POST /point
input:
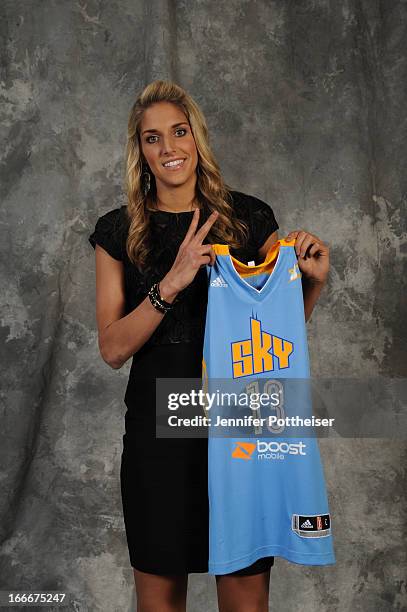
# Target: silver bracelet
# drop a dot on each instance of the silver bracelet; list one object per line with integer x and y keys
{"x": 157, "y": 301}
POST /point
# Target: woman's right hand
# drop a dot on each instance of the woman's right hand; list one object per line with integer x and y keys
{"x": 191, "y": 256}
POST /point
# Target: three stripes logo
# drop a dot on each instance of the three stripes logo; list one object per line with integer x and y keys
{"x": 307, "y": 524}
{"x": 218, "y": 282}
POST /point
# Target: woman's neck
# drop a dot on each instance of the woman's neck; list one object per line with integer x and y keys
{"x": 175, "y": 207}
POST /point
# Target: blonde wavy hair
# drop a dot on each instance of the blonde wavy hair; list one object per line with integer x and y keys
{"x": 211, "y": 190}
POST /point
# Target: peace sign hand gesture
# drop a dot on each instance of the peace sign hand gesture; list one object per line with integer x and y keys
{"x": 191, "y": 256}
{"x": 313, "y": 255}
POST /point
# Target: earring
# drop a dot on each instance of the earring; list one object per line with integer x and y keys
{"x": 146, "y": 179}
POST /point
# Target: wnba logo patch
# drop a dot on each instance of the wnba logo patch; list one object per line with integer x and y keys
{"x": 294, "y": 272}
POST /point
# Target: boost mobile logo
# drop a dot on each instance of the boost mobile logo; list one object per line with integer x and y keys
{"x": 267, "y": 450}
{"x": 243, "y": 450}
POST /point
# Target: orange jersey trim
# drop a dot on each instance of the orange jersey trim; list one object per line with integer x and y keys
{"x": 263, "y": 268}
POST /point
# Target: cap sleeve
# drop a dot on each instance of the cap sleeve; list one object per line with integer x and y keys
{"x": 108, "y": 233}
{"x": 262, "y": 221}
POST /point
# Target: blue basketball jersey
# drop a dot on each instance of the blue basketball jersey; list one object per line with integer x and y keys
{"x": 267, "y": 495}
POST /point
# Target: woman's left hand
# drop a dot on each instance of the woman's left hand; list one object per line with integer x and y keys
{"x": 313, "y": 255}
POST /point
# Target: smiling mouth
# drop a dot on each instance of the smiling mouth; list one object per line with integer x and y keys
{"x": 174, "y": 165}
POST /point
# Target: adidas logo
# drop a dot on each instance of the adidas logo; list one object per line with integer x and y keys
{"x": 306, "y": 525}
{"x": 218, "y": 282}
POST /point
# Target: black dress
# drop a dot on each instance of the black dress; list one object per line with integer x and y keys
{"x": 164, "y": 481}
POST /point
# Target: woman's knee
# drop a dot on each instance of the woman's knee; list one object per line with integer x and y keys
{"x": 243, "y": 593}
{"x": 155, "y": 592}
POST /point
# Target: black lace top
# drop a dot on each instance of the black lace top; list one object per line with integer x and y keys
{"x": 186, "y": 322}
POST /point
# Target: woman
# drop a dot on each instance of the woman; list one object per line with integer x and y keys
{"x": 151, "y": 305}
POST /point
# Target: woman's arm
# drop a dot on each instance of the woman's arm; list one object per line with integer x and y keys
{"x": 313, "y": 261}
{"x": 314, "y": 266}
{"x": 311, "y": 290}
{"x": 120, "y": 336}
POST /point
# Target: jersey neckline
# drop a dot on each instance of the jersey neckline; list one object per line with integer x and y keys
{"x": 240, "y": 270}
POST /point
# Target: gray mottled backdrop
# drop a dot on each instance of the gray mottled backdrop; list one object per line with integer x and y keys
{"x": 305, "y": 103}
